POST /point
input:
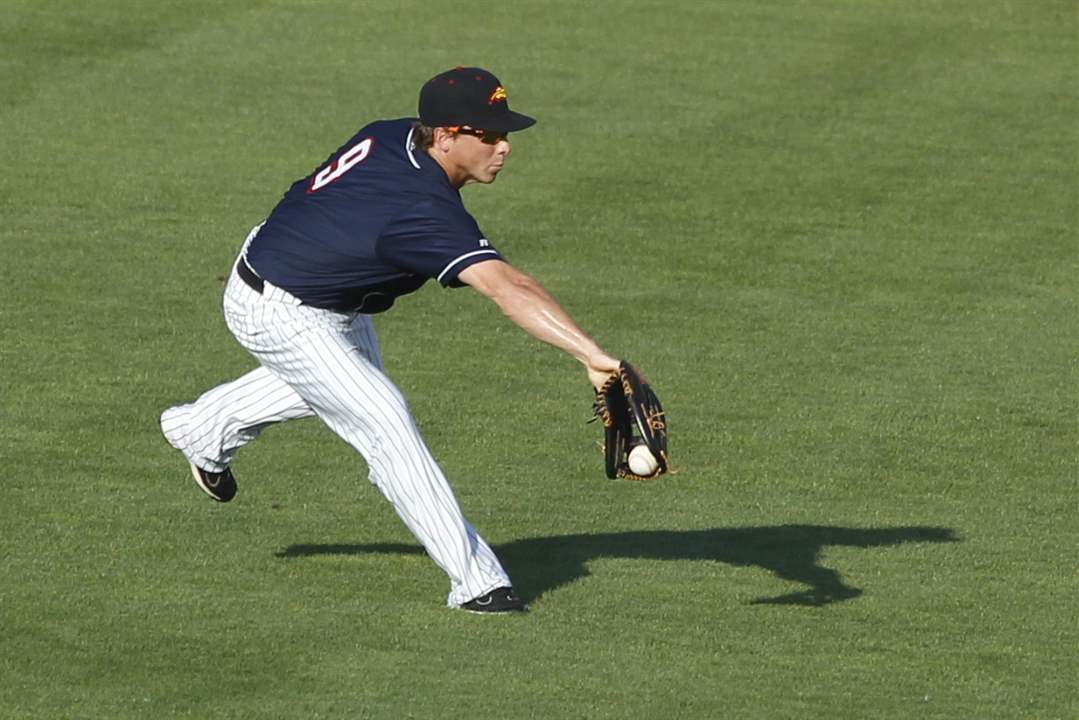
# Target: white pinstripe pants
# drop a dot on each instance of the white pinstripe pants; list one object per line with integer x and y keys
{"x": 325, "y": 363}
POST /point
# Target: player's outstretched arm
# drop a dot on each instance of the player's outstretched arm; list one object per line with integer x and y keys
{"x": 534, "y": 310}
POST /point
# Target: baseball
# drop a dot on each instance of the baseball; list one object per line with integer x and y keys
{"x": 642, "y": 462}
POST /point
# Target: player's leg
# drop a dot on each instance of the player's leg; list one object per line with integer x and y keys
{"x": 334, "y": 367}
{"x": 211, "y": 429}
{"x": 485, "y": 567}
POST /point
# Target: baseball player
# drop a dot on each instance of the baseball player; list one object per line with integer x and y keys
{"x": 375, "y": 221}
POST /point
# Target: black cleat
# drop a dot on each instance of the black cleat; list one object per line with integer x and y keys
{"x": 499, "y": 600}
{"x": 220, "y": 486}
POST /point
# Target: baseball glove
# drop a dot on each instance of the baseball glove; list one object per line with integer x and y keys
{"x": 631, "y": 415}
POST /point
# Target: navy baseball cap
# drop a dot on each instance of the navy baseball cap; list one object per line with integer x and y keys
{"x": 469, "y": 96}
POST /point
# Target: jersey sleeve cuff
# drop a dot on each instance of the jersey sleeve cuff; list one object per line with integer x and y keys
{"x": 449, "y": 274}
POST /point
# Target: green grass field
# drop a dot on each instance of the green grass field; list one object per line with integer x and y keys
{"x": 839, "y": 236}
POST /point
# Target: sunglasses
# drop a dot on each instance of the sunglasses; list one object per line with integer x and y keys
{"x": 489, "y": 137}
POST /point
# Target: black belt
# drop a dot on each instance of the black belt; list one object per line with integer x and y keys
{"x": 369, "y": 300}
{"x": 248, "y": 276}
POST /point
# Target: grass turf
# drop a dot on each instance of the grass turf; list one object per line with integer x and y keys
{"x": 840, "y": 237}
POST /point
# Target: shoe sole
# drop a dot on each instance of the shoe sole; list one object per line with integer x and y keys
{"x": 502, "y": 611}
{"x": 202, "y": 484}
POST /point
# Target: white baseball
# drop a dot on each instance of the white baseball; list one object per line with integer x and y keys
{"x": 642, "y": 462}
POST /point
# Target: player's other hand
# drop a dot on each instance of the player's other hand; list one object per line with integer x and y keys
{"x": 600, "y": 367}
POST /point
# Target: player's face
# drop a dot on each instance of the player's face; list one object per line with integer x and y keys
{"x": 479, "y": 155}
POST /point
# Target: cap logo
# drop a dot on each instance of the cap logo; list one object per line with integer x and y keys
{"x": 499, "y": 93}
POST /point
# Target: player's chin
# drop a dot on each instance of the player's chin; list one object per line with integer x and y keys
{"x": 487, "y": 176}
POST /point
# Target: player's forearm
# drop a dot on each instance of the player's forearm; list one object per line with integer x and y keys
{"x": 534, "y": 310}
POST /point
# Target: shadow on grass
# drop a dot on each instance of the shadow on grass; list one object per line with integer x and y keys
{"x": 791, "y": 552}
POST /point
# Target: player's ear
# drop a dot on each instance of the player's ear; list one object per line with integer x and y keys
{"x": 443, "y": 139}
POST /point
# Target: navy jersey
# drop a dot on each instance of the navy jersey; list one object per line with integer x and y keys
{"x": 375, "y": 221}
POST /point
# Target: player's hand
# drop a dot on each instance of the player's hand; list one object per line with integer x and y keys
{"x": 600, "y": 368}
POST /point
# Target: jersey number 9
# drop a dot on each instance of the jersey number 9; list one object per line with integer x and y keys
{"x": 345, "y": 162}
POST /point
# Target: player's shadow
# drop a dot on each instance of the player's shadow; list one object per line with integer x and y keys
{"x": 791, "y": 552}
